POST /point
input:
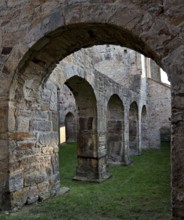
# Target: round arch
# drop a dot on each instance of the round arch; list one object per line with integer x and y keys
{"x": 115, "y": 130}
{"x": 133, "y": 129}
{"x": 90, "y": 167}
{"x": 145, "y": 26}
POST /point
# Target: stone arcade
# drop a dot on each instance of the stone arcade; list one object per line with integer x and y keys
{"x": 122, "y": 74}
{"x": 34, "y": 36}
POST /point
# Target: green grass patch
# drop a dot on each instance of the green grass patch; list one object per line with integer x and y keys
{"x": 140, "y": 191}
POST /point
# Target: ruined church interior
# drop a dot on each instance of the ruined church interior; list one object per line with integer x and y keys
{"x": 105, "y": 75}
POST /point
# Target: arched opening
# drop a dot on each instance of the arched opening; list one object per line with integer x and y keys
{"x": 41, "y": 59}
{"x": 115, "y": 130}
{"x": 146, "y": 24}
{"x": 89, "y": 164}
{"x": 70, "y": 128}
{"x": 144, "y": 128}
{"x": 133, "y": 129}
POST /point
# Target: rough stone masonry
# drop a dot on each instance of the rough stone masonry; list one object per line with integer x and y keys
{"x": 127, "y": 68}
{"x": 34, "y": 36}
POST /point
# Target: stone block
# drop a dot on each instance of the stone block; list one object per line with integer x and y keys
{"x": 13, "y": 3}
{"x": 16, "y": 180}
{"x": 41, "y": 115}
{"x": 47, "y": 150}
{"x": 19, "y": 135}
{"x": 49, "y": 139}
{"x": 55, "y": 124}
{"x": 3, "y": 180}
{"x": 31, "y": 167}
{"x": 11, "y": 119}
{"x": 55, "y": 163}
{"x": 3, "y": 149}
{"x": 45, "y": 95}
{"x": 19, "y": 198}
{"x": 25, "y": 145}
{"x": 43, "y": 190}
{"x": 3, "y": 119}
{"x": 40, "y": 125}
{"x": 23, "y": 124}
{"x": 4, "y": 164}
{"x": 32, "y": 195}
{"x": 54, "y": 179}
{"x": 35, "y": 177}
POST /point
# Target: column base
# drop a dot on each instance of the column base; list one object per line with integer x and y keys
{"x": 119, "y": 163}
{"x": 135, "y": 153}
{"x": 97, "y": 180}
{"x": 63, "y": 190}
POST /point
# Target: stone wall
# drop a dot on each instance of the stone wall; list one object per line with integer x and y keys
{"x": 126, "y": 67}
{"x": 122, "y": 65}
{"x": 159, "y": 110}
{"x": 36, "y": 125}
{"x": 33, "y": 169}
{"x": 37, "y": 34}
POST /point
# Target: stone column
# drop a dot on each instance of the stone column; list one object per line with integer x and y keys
{"x": 91, "y": 149}
{"x": 177, "y": 150}
{"x": 176, "y": 76}
{"x": 91, "y": 153}
{"x": 102, "y": 139}
{"x": 126, "y": 135}
{"x": 102, "y": 157}
{"x": 33, "y": 144}
{"x": 139, "y": 132}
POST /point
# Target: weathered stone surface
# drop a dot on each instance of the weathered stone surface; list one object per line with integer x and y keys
{"x": 154, "y": 28}
{"x": 3, "y": 117}
{"x": 16, "y": 181}
{"x": 34, "y": 178}
{"x": 19, "y": 198}
{"x": 71, "y": 127}
{"x": 22, "y": 124}
{"x": 159, "y": 110}
{"x": 43, "y": 140}
{"x": 19, "y": 135}
{"x": 40, "y": 125}
{"x": 44, "y": 190}
{"x": 165, "y": 134}
{"x": 3, "y": 150}
{"x": 32, "y": 195}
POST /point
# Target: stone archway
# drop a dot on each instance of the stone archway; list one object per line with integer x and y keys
{"x": 70, "y": 128}
{"x": 133, "y": 129}
{"x": 115, "y": 130}
{"x": 91, "y": 166}
{"x": 152, "y": 28}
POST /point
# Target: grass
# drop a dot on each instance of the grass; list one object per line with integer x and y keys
{"x": 140, "y": 191}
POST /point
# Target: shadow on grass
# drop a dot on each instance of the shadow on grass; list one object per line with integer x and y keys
{"x": 139, "y": 191}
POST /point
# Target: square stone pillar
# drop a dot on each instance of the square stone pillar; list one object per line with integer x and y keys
{"x": 139, "y": 132}
{"x": 126, "y": 136}
{"x": 91, "y": 158}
